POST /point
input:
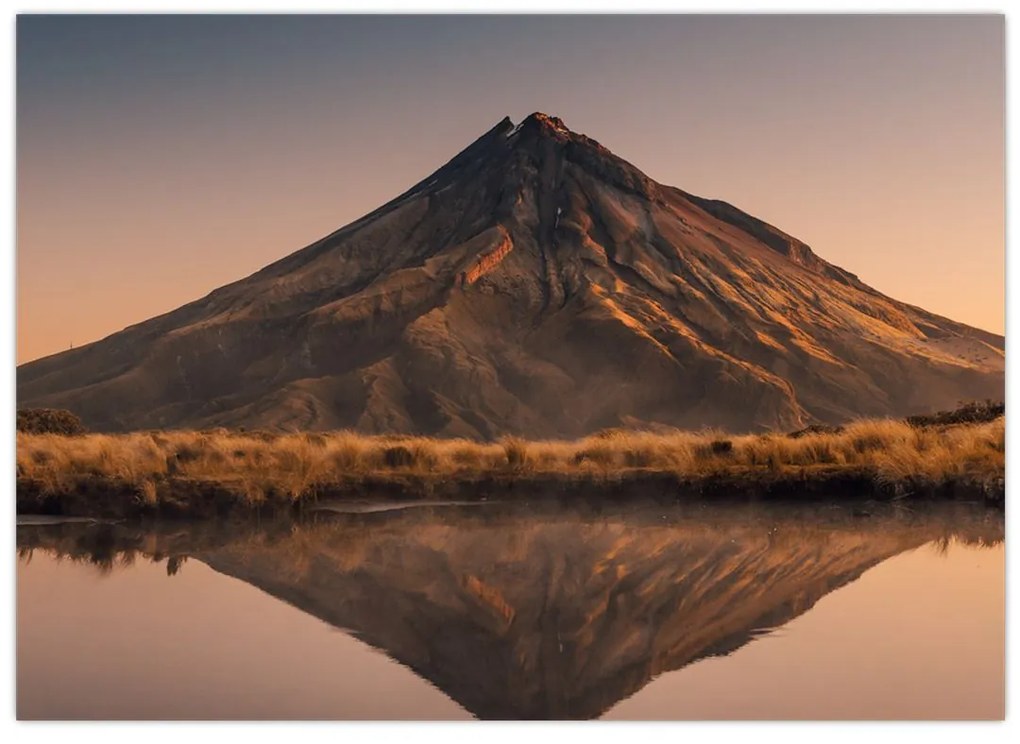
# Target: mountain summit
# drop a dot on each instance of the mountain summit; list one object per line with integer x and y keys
{"x": 539, "y": 285}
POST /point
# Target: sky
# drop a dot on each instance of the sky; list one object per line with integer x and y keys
{"x": 160, "y": 157}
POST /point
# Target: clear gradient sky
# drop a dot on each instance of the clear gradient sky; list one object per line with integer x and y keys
{"x": 160, "y": 157}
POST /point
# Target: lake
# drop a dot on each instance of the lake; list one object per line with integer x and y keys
{"x": 508, "y": 611}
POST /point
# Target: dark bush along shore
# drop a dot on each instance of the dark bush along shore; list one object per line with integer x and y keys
{"x": 103, "y": 497}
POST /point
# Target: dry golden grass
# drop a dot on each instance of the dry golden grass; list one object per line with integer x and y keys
{"x": 256, "y": 465}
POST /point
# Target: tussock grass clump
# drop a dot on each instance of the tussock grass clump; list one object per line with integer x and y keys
{"x": 348, "y": 453}
{"x": 516, "y": 450}
{"x": 598, "y": 452}
{"x": 425, "y": 457}
{"x": 466, "y": 456}
{"x": 257, "y": 467}
{"x": 640, "y": 456}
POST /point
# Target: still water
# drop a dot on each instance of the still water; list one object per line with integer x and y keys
{"x": 517, "y": 611}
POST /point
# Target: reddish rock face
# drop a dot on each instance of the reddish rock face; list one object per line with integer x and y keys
{"x": 536, "y": 284}
{"x": 487, "y": 261}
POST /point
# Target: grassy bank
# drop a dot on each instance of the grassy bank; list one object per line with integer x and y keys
{"x": 216, "y": 471}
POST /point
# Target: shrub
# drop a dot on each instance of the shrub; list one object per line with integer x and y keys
{"x": 815, "y": 429}
{"x": 398, "y": 457}
{"x": 49, "y": 421}
{"x": 721, "y": 447}
{"x": 972, "y": 412}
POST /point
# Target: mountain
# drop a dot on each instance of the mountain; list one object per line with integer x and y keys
{"x": 539, "y": 285}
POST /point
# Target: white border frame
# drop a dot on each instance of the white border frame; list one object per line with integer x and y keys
{"x": 444, "y": 733}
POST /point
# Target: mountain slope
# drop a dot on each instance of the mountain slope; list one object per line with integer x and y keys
{"x": 536, "y": 284}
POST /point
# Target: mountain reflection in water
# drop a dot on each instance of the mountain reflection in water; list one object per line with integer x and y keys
{"x": 535, "y": 611}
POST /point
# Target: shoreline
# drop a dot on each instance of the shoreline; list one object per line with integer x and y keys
{"x": 103, "y": 497}
{"x": 213, "y": 473}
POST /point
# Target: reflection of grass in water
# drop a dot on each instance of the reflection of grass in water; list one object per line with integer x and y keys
{"x": 257, "y": 466}
{"x": 109, "y": 546}
{"x": 941, "y": 545}
{"x": 348, "y": 539}
{"x": 104, "y": 558}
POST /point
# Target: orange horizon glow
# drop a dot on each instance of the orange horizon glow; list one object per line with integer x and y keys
{"x": 162, "y": 157}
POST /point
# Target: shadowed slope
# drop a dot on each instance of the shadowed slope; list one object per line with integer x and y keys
{"x": 517, "y": 290}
